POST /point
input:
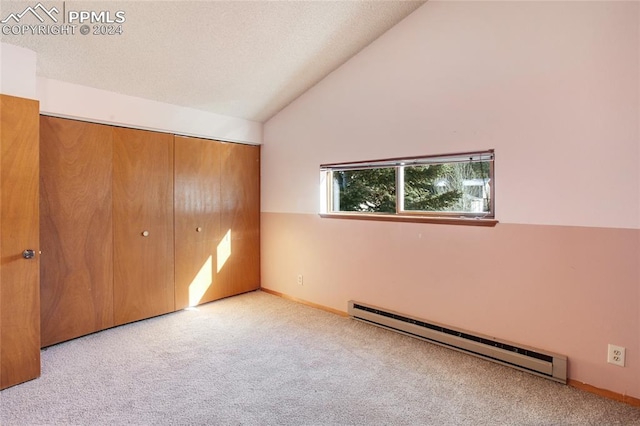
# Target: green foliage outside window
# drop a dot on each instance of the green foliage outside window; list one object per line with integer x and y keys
{"x": 450, "y": 187}
{"x": 371, "y": 190}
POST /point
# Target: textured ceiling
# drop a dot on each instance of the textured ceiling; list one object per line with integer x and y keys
{"x": 245, "y": 59}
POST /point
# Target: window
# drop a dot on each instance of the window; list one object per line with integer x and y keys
{"x": 444, "y": 186}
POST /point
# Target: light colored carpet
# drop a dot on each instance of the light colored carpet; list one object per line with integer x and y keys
{"x": 257, "y": 359}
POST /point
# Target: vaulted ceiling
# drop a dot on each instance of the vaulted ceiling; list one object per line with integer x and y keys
{"x": 245, "y": 59}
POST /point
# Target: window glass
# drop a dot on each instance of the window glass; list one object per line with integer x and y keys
{"x": 370, "y": 190}
{"x": 451, "y": 187}
{"x": 445, "y": 185}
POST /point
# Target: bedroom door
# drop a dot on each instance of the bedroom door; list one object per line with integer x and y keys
{"x": 19, "y": 241}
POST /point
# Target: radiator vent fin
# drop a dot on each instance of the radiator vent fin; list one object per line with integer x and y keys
{"x": 467, "y": 336}
{"x": 542, "y": 363}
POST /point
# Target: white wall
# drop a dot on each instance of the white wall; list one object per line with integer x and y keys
{"x": 17, "y": 71}
{"x": 551, "y": 86}
{"x": 62, "y": 99}
{"x": 68, "y": 100}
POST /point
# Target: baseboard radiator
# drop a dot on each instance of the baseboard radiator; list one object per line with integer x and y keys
{"x": 542, "y": 363}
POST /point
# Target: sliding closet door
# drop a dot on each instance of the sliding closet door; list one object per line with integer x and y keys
{"x": 200, "y": 258}
{"x": 19, "y": 247}
{"x": 75, "y": 229}
{"x": 240, "y": 220}
{"x": 143, "y": 224}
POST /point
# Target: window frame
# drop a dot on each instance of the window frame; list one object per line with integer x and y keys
{"x": 401, "y": 214}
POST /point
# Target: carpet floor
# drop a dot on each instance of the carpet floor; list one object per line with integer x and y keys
{"x": 257, "y": 359}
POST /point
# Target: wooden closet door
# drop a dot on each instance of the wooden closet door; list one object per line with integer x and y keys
{"x": 75, "y": 229}
{"x": 19, "y": 286}
{"x": 143, "y": 224}
{"x": 199, "y": 256}
{"x": 240, "y": 171}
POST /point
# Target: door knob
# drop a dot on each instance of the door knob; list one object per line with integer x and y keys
{"x": 29, "y": 254}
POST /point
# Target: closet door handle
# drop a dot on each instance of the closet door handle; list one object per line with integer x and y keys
{"x": 29, "y": 254}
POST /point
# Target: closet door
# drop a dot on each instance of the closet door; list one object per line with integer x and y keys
{"x": 142, "y": 224}
{"x": 19, "y": 269}
{"x": 199, "y": 256}
{"x": 240, "y": 220}
{"x": 75, "y": 229}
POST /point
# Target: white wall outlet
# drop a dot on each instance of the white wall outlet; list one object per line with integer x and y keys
{"x": 300, "y": 280}
{"x": 615, "y": 355}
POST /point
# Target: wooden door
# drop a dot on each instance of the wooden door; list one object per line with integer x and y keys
{"x": 199, "y": 256}
{"x": 76, "y": 237}
{"x": 142, "y": 224}
{"x": 240, "y": 220}
{"x": 19, "y": 286}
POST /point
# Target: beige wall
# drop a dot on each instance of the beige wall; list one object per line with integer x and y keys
{"x": 554, "y": 88}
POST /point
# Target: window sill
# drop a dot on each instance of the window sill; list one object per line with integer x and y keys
{"x": 411, "y": 218}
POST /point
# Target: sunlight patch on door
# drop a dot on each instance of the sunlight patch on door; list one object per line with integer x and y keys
{"x": 224, "y": 249}
{"x": 201, "y": 282}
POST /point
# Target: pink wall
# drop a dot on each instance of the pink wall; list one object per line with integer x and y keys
{"x": 554, "y": 89}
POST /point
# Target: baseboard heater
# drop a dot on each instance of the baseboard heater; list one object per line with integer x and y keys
{"x": 541, "y": 363}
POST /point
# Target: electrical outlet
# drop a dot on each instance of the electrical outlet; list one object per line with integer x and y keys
{"x": 615, "y": 355}
{"x": 300, "y": 280}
